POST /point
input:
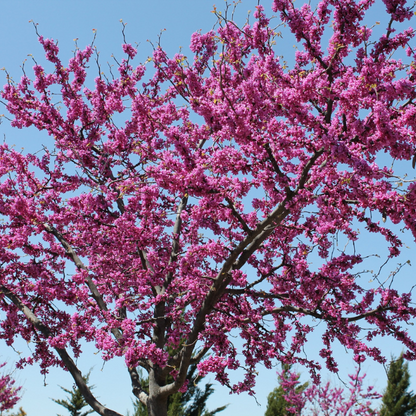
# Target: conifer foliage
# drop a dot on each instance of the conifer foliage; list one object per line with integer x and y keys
{"x": 75, "y": 401}
{"x": 397, "y": 400}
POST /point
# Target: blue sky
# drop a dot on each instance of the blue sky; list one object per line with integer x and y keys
{"x": 66, "y": 20}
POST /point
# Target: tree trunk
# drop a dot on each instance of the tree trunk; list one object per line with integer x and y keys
{"x": 157, "y": 405}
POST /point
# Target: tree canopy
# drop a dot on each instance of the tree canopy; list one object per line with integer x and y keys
{"x": 292, "y": 398}
{"x": 223, "y": 193}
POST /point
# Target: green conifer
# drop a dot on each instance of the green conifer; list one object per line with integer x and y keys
{"x": 75, "y": 401}
{"x": 397, "y": 401}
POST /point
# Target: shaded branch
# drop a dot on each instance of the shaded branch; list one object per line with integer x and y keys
{"x": 137, "y": 387}
{"x": 273, "y": 162}
{"x": 199, "y": 355}
{"x": 236, "y": 214}
{"x": 319, "y": 315}
{"x": 369, "y": 313}
{"x": 261, "y": 294}
{"x": 177, "y": 228}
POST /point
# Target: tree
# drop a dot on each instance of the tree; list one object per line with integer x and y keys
{"x": 221, "y": 206}
{"x": 397, "y": 400}
{"x": 9, "y": 394}
{"x": 75, "y": 401}
{"x": 279, "y": 400}
{"x": 191, "y": 403}
{"x": 322, "y": 400}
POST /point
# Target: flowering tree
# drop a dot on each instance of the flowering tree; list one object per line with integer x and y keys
{"x": 288, "y": 398}
{"x": 8, "y": 392}
{"x": 327, "y": 401}
{"x": 199, "y": 215}
{"x": 324, "y": 400}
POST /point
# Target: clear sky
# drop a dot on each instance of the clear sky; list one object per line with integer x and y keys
{"x": 67, "y": 20}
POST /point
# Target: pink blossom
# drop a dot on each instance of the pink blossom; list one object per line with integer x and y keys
{"x": 228, "y": 201}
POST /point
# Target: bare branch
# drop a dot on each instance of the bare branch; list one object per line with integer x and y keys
{"x": 318, "y": 315}
{"x": 177, "y": 228}
{"x": 137, "y": 387}
{"x": 273, "y": 161}
{"x": 200, "y": 355}
{"x": 369, "y": 313}
{"x": 256, "y": 294}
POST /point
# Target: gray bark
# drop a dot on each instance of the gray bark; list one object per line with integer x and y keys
{"x": 157, "y": 402}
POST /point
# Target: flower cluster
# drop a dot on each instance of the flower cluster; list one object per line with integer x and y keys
{"x": 9, "y": 395}
{"x": 322, "y": 399}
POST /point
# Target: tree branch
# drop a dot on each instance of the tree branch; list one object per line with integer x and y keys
{"x": 256, "y": 294}
{"x": 236, "y": 214}
{"x": 79, "y": 264}
{"x": 369, "y": 313}
{"x": 177, "y": 228}
{"x": 318, "y": 315}
{"x": 235, "y": 261}
{"x": 137, "y": 388}
{"x": 200, "y": 355}
{"x": 66, "y": 359}
{"x": 256, "y": 282}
